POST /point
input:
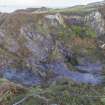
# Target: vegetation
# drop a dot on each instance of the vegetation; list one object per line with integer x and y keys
{"x": 80, "y": 39}
{"x": 83, "y": 31}
{"x": 63, "y": 92}
{"x": 80, "y": 10}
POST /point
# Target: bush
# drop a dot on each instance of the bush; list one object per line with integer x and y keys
{"x": 83, "y": 31}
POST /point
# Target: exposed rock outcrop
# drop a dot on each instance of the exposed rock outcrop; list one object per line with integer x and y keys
{"x": 38, "y": 47}
{"x": 96, "y": 21}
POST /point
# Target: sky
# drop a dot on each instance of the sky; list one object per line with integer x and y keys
{"x": 11, "y": 5}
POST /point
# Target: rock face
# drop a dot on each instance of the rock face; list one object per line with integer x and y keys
{"x": 38, "y": 44}
{"x": 27, "y": 43}
{"x": 47, "y": 55}
{"x": 96, "y": 21}
{"x": 74, "y": 20}
{"x": 34, "y": 47}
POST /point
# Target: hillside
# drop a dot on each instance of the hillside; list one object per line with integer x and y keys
{"x": 53, "y": 56}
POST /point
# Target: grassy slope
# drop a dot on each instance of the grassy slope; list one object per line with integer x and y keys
{"x": 79, "y": 10}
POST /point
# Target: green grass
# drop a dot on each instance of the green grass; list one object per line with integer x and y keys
{"x": 2, "y": 81}
{"x": 68, "y": 94}
{"x": 83, "y": 31}
{"x": 80, "y": 9}
{"x": 61, "y": 92}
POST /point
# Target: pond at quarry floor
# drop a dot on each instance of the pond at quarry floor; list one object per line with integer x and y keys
{"x": 88, "y": 74}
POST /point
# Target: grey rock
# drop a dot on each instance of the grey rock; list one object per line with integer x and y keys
{"x": 96, "y": 21}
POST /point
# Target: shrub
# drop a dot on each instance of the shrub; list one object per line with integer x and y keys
{"x": 83, "y": 31}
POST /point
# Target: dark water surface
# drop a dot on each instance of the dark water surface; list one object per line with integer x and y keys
{"x": 92, "y": 74}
